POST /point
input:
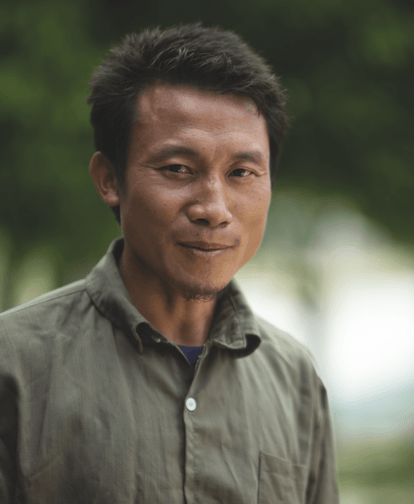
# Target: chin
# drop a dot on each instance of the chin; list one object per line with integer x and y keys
{"x": 202, "y": 293}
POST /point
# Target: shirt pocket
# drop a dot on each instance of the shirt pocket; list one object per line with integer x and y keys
{"x": 280, "y": 481}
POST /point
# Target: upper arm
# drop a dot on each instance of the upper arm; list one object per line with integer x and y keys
{"x": 322, "y": 484}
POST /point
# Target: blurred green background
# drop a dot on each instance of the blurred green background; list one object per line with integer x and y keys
{"x": 348, "y": 67}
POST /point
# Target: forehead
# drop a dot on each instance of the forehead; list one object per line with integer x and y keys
{"x": 187, "y": 102}
{"x": 165, "y": 110}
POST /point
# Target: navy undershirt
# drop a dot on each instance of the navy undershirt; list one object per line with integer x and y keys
{"x": 191, "y": 352}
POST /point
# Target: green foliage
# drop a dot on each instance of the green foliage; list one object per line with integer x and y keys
{"x": 379, "y": 471}
{"x": 346, "y": 65}
{"x": 378, "y": 464}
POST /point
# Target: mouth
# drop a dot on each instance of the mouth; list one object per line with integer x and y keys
{"x": 205, "y": 246}
{"x": 206, "y": 250}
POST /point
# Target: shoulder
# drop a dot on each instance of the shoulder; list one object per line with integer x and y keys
{"x": 293, "y": 366}
{"x": 41, "y": 314}
{"x": 284, "y": 351}
{"x": 281, "y": 340}
{"x": 43, "y": 302}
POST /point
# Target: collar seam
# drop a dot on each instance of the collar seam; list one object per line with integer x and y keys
{"x": 236, "y": 314}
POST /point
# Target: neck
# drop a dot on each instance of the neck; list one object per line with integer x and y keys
{"x": 183, "y": 321}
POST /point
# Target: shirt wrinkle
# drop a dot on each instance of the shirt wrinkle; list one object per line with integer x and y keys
{"x": 96, "y": 405}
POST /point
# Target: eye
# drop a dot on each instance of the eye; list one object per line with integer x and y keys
{"x": 241, "y": 172}
{"x": 176, "y": 168}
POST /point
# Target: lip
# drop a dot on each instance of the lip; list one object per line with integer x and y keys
{"x": 203, "y": 253}
{"x": 205, "y": 246}
{"x": 193, "y": 249}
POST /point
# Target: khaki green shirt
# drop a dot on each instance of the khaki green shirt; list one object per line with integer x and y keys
{"x": 96, "y": 406}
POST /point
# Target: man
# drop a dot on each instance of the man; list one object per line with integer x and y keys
{"x": 151, "y": 380}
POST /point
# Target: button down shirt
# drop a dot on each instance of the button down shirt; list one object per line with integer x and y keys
{"x": 97, "y": 406}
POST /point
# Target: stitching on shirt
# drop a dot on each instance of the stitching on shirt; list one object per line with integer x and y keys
{"x": 194, "y": 472}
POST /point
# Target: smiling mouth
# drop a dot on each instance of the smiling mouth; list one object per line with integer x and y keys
{"x": 203, "y": 249}
{"x": 206, "y": 250}
{"x": 205, "y": 246}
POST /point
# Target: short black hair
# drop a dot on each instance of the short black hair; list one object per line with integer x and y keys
{"x": 207, "y": 58}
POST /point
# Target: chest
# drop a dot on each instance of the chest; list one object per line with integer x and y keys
{"x": 151, "y": 427}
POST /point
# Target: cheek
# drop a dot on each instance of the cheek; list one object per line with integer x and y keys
{"x": 147, "y": 209}
{"x": 257, "y": 230}
{"x": 255, "y": 223}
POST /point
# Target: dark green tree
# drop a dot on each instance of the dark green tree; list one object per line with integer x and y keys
{"x": 347, "y": 66}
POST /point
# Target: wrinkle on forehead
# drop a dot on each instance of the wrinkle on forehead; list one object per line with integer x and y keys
{"x": 159, "y": 96}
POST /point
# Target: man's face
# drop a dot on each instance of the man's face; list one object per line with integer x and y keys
{"x": 197, "y": 188}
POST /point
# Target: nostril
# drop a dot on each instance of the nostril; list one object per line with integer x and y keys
{"x": 203, "y": 221}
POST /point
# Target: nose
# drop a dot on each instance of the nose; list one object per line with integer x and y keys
{"x": 210, "y": 205}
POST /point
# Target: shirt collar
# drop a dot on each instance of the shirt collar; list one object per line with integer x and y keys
{"x": 234, "y": 325}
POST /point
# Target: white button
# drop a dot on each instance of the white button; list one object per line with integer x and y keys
{"x": 156, "y": 339}
{"x": 191, "y": 404}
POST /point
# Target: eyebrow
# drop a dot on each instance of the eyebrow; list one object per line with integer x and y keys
{"x": 255, "y": 156}
{"x": 168, "y": 151}
{"x": 171, "y": 150}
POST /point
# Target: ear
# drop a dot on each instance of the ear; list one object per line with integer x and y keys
{"x": 103, "y": 176}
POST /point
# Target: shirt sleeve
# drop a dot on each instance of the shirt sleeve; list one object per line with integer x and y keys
{"x": 322, "y": 483}
{"x": 8, "y": 436}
